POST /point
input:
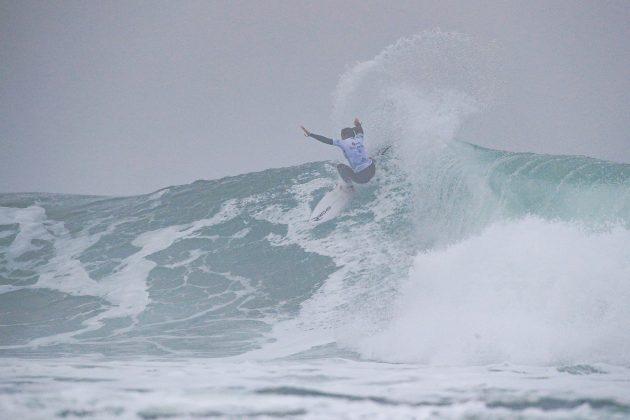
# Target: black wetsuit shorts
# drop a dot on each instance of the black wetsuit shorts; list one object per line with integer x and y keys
{"x": 361, "y": 177}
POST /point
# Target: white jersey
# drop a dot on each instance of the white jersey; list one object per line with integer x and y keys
{"x": 354, "y": 150}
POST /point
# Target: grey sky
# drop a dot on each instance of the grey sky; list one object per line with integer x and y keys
{"x": 125, "y": 97}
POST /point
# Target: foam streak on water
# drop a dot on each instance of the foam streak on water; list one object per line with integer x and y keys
{"x": 312, "y": 389}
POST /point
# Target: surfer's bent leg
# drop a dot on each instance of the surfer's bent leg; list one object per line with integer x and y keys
{"x": 365, "y": 175}
{"x": 345, "y": 172}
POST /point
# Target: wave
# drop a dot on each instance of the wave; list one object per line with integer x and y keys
{"x": 453, "y": 254}
{"x": 224, "y": 267}
{"x": 529, "y": 292}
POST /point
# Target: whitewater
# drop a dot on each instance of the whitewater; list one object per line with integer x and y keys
{"x": 462, "y": 282}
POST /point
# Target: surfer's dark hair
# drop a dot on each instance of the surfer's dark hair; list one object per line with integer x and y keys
{"x": 347, "y": 132}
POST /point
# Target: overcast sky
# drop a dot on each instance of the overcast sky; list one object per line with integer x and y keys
{"x": 125, "y": 97}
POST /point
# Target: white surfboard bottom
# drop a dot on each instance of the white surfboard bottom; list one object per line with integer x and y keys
{"x": 333, "y": 203}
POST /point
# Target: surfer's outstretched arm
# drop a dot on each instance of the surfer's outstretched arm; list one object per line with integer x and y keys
{"x": 317, "y": 136}
{"x": 357, "y": 126}
{"x": 321, "y": 138}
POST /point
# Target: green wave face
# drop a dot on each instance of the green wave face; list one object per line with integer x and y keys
{"x": 563, "y": 187}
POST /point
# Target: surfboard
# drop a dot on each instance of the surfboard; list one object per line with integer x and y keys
{"x": 333, "y": 203}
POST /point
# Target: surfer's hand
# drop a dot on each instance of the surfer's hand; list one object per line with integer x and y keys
{"x": 306, "y": 132}
{"x": 357, "y": 122}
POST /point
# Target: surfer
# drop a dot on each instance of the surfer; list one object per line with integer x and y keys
{"x": 362, "y": 167}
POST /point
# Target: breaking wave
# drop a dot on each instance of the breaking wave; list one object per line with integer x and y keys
{"x": 454, "y": 254}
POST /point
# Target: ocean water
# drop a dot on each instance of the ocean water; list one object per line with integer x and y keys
{"x": 463, "y": 282}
